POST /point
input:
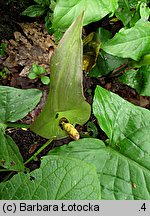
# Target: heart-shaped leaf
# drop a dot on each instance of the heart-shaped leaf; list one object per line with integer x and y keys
{"x": 66, "y": 97}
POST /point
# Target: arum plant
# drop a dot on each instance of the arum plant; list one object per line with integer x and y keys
{"x": 66, "y": 103}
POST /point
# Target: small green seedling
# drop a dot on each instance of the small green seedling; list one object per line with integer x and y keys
{"x": 3, "y": 49}
{"x": 38, "y": 71}
{"x": 3, "y": 73}
{"x": 92, "y": 129}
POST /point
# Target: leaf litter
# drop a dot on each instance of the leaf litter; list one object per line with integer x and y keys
{"x": 31, "y": 45}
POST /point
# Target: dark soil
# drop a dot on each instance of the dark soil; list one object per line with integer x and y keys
{"x": 27, "y": 141}
{"x": 10, "y": 16}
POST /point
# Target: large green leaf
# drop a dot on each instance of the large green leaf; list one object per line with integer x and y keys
{"x": 120, "y": 176}
{"x": 127, "y": 127}
{"x": 57, "y": 178}
{"x": 122, "y": 121}
{"x": 14, "y": 105}
{"x": 17, "y": 103}
{"x": 10, "y": 156}
{"x": 123, "y": 166}
{"x": 66, "y": 92}
{"x": 66, "y": 11}
{"x": 130, "y": 43}
{"x": 138, "y": 79}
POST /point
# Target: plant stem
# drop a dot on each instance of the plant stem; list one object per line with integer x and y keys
{"x": 5, "y": 170}
{"x": 118, "y": 71}
{"x": 39, "y": 151}
{"x": 17, "y": 125}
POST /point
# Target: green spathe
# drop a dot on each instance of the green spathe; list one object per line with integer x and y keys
{"x": 66, "y": 97}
